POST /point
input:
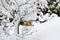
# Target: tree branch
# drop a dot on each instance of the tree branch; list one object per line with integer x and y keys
{"x": 3, "y": 5}
{"x": 24, "y": 3}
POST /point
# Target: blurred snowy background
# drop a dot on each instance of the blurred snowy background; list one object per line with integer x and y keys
{"x": 12, "y": 10}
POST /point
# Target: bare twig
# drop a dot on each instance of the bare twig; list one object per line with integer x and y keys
{"x": 3, "y": 5}
{"x": 24, "y": 3}
{"x": 7, "y": 2}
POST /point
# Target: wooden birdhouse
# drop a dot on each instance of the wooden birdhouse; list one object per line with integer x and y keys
{"x": 28, "y": 23}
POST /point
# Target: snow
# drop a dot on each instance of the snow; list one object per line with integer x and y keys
{"x": 47, "y": 31}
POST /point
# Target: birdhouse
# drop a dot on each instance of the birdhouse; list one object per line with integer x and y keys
{"x": 28, "y": 23}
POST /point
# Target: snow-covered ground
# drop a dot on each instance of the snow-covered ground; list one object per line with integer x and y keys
{"x": 49, "y": 30}
{"x": 46, "y": 31}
